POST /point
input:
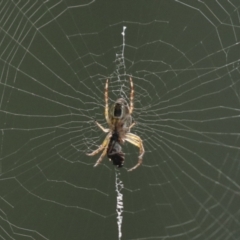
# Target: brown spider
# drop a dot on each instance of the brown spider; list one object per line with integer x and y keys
{"x": 120, "y": 122}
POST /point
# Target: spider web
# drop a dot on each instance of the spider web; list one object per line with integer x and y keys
{"x": 183, "y": 57}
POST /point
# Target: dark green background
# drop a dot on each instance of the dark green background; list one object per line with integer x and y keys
{"x": 183, "y": 57}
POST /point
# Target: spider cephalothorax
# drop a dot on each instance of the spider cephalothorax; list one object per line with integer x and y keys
{"x": 120, "y": 122}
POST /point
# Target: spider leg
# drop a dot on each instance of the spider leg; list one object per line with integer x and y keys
{"x": 106, "y": 101}
{"x": 137, "y": 141}
{"x": 106, "y": 130}
{"x": 132, "y": 125}
{"x": 101, "y": 147}
{"x": 101, "y": 157}
{"x": 131, "y": 96}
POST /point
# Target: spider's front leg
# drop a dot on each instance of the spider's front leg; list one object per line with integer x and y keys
{"x": 131, "y": 96}
{"x": 137, "y": 141}
{"x": 106, "y": 102}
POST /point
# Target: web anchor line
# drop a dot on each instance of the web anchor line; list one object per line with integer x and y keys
{"x": 119, "y": 207}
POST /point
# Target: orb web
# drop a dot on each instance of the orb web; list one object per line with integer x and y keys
{"x": 183, "y": 59}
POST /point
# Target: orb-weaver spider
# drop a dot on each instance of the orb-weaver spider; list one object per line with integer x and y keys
{"x": 120, "y": 122}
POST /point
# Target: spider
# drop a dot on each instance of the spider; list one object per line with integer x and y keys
{"x": 120, "y": 122}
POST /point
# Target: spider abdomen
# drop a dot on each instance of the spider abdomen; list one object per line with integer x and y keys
{"x": 114, "y": 150}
